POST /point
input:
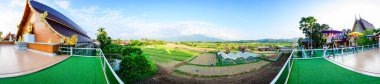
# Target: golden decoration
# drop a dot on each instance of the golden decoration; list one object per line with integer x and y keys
{"x": 73, "y": 40}
{"x": 49, "y": 41}
{"x": 29, "y": 29}
{"x": 20, "y": 39}
{"x": 43, "y": 16}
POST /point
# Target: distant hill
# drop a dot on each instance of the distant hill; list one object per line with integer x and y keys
{"x": 270, "y": 40}
{"x": 195, "y": 37}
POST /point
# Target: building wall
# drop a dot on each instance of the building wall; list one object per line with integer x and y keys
{"x": 41, "y": 29}
{"x": 43, "y": 47}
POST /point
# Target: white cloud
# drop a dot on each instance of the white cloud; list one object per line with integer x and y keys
{"x": 126, "y": 27}
{"x": 18, "y": 3}
{"x": 341, "y": 14}
{"x": 11, "y": 15}
{"x": 64, "y": 4}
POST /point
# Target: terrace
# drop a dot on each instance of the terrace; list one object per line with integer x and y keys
{"x": 346, "y": 67}
{"x": 24, "y": 66}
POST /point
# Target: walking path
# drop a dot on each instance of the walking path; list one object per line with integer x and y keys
{"x": 15, "y": 62}
{"x": 366, "y": 62}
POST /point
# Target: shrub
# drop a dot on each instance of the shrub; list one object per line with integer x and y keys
{"x": 136, "y": 67}
{"x": 113, "y": 48}
{"x": 128, "y": 50}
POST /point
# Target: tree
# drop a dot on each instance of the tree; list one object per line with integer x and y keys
{"x": 363, "y": 40}
{"x": 312, "y": 30}
{"x": 103, "y": 38}
{"x": 1, "y": 33}
{"x": 118, "y": 41}
{"x": 136, "y": 67}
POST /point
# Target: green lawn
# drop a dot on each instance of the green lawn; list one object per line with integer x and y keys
{"x": 321, "y": 71}
{"x": 165, "y": 55}
{"x": 74, "y": 70}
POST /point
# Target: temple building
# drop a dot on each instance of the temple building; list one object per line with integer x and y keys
{"x": 43, "y": 29}
{"x": 9, "y": 37}
{"x": 361, "y": 25}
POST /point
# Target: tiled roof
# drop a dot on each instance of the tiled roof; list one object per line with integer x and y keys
{"x": 365, "y": 24}
{"x": 61, "y": 24}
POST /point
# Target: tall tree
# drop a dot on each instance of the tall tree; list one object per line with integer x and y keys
{"x": 103, "y": 38}
{"x": 1, "y": 33}
{"x": 312, "y": 30}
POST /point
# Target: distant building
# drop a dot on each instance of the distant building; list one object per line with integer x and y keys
{"x": 361, "y": 25}
{"x": 9, "y": 37}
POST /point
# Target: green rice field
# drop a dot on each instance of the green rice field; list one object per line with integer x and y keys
{"x": 165, "y": 55}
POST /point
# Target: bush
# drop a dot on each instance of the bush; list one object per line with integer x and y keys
{"x": 113, "y": 48}
{"x": 136, "y": 67}
{"x": 363, "y": 40}
{"x": 128, "y": 50}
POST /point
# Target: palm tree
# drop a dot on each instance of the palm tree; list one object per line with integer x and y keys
{"x": 307, "y": 26}
{"x": 312, "y": 30}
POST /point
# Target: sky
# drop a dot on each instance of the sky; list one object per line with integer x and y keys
{"x": 223, "y": 19}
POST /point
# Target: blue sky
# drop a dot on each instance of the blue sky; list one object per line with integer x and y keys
{"x": 224, "y": 19}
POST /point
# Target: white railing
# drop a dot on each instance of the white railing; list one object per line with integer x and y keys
{"x": 96, "y": 52}
{"x": 289, "y": 61}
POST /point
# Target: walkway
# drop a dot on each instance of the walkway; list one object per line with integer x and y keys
{"x": 15, "y": 62}
{"x": 366, "y": 62}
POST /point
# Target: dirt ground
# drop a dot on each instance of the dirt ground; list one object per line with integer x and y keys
{"x": 205, "y": 59}
{"x": 262, "y": 76}
{"x": 225, "y": 70}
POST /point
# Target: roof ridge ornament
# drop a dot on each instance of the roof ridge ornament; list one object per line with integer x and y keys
{"x": 73, "y": 40}
{"x": 43, "y": 16}
{"x": 29, "y": 29}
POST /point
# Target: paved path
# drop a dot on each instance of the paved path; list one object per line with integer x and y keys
{"x": 225, "y": 70}
{"x": 15, "y": 62}
{"x": 366, "y": 62}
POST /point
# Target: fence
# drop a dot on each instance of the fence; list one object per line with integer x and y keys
{"x": 283, "y": 76}
{"x": 109, "y": 73}
{"x": 320, "y": 53}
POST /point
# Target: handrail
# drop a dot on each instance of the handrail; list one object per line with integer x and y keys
{"x": 104, "y": 63}
{"x": 295, "y": 50}
{"x": 109, "y": 66}
{"x": 282, "y": 69}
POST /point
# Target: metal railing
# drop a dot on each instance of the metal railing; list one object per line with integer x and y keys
{"x": 109, "y": 73}
{"x": 283, "y": 76}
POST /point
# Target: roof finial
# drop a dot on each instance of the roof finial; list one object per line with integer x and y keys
{"x": 360, "y": 17}
{"x": 355, "y": 17}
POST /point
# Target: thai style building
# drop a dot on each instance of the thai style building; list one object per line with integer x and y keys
{"x": 9, "y": 37}
{"x": 361, "y": 25}
{"x": 43, "y": 29}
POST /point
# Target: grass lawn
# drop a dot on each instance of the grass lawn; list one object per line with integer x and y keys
{"x": 321, "y": 71}
{"x": 165, "y": 55}
{"x": 74, "y": 70}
